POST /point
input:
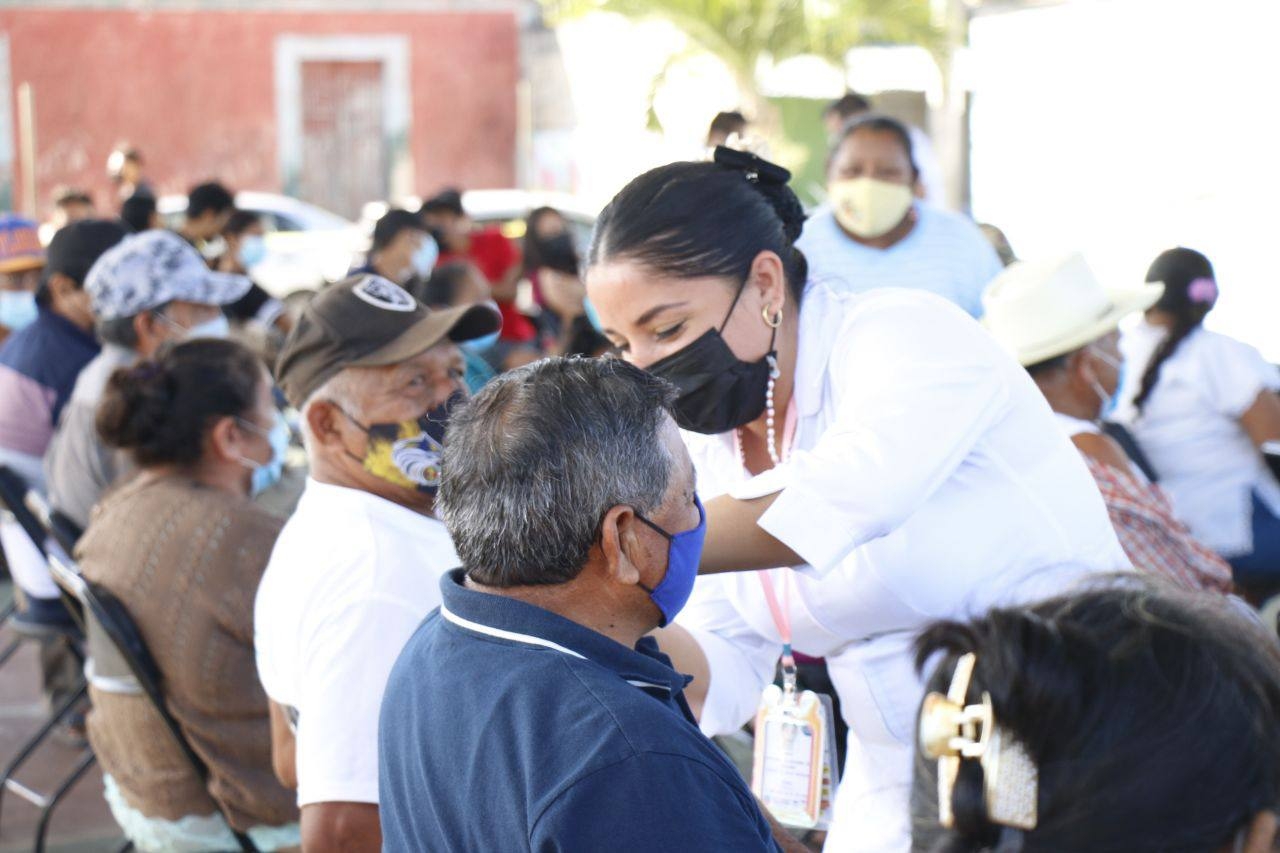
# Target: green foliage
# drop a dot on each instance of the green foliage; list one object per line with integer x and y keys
{"x": 740, "y": 32}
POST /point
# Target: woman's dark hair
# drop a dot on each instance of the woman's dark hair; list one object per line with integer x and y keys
{"x": 1177, "y": 268}
{"x": 391, "y": 223}
{"x": 691, "y": 220}
{"x": 531, "y": 254}
{"x": 1152, "y": 715}
{"x": 240, "y": 222}
{"x": 159, "y": 410}
{"x": 882, "y": 124}
{"x": 441, "y": 289}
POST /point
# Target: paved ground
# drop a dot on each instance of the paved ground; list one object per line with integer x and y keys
{"x": 81, "y": 823}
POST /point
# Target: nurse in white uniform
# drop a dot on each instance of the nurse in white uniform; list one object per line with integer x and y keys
{"x": 881, "y": 444}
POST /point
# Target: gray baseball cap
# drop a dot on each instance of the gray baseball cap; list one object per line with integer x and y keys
{"x": 147, "y": 270}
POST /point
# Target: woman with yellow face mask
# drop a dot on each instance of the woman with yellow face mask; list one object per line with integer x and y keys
{"x": 875, "y": 231}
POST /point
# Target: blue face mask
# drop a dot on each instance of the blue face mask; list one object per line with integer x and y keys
{"x": 17, "y": 309}
{"x": 480, "y": 346}
{"x": 424, "y": 259}
{"x": 1110, "y": 402}
{"x": 253, "y": 249}
{"x": 592, "y": 315}
{"x": 218, "y": 327}
{"x": 267, "y": 474}
{"x": 684, "y": 553}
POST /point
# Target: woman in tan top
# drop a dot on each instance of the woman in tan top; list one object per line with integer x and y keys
{"x": 183, "y": 548}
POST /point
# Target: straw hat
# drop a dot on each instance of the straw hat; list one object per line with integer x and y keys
{"x": 1042, "y": 309}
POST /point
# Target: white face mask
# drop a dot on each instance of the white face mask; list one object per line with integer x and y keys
{"x": 214, "y": 327}
{"x": 869, "y": 208}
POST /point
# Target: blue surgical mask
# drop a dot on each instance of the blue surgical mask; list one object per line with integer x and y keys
{"x": 424, "y": 260}
{"x": 17, "y": 309}
{"x": 267, "y": 474}
{"x": 253, "y": 248}
{"x": 479, "y": 346}
{"x": 1110, "y": 402}
{"x": 592, "y": 315}
{"x": 216, "y": 327}
{"x": 684, "y": 553}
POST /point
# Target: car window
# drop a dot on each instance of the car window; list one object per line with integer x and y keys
{"x": 287, "y": 223}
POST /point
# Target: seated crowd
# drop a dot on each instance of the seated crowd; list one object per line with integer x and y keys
{"x": 413, "y": 560}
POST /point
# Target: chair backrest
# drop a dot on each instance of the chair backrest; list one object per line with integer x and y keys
{"x": 120, "y": 656}
{"x": 13, "y": 492}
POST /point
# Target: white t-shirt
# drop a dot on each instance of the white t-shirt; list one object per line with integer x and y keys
{"x": 945, "y": 253}
{"x": 1190, "y": 430}
{"x": 349, "y": 581}
{"x": 928, "y": 480}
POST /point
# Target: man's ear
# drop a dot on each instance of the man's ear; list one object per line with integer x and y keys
{"x": 62, "y": 286}
{"x": 620, "y": 546}
{"x": 322, "y": 421}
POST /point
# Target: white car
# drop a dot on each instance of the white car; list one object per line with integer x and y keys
{"x": 307, "y": 246}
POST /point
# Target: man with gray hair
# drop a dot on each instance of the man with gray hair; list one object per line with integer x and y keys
{"x": 357, "y": 566}
{"x": 531, "y": 712}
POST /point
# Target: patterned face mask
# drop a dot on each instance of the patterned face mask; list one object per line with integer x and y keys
{"x": 407, "y": 453}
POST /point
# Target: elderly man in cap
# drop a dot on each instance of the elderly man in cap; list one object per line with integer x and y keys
{"x": 150, "y": 288}
{"x": 374, "y": 374}
{"x": 21, "y": 259}
{"x": 1063, "y": 326}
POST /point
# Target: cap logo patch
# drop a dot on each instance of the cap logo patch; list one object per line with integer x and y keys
{"x": 381, "y": 293}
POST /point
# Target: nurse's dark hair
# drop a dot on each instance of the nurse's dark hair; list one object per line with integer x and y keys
{"x": 1152, "y": 714}
{"x": 1177, "y": 268}
{"x": 876, "y": 122}
{"x": 160, "y": 409}
{"x": 534, "y": 462}
{"x": 693, "y": 220}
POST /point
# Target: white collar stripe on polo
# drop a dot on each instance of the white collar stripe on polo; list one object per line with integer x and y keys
{"x": 505, "y": 635}
{"x": 531, "y": 640}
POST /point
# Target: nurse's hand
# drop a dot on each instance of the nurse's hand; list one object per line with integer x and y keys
{"x": 736, "y": 542}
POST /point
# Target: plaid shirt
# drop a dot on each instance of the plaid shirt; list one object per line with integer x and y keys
{"x": 1156, "y": 542}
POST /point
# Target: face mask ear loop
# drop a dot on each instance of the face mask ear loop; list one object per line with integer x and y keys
{"x": 737, "y": 296}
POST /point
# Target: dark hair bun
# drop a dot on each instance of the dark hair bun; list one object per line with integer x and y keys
{"x": 771, "y": 181}
{"x": 135, "y": 405}
{"x": 159, "y": 410}
{"x": 786, "y": 205}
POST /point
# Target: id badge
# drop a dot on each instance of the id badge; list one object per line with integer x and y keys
{"x": 794, "y": 771}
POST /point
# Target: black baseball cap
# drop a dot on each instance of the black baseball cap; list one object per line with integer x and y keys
{"x": 76, "y": 246}
{"x": 368, "y": 321}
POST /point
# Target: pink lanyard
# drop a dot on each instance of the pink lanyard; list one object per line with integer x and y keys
{"x": 780, "y": 611}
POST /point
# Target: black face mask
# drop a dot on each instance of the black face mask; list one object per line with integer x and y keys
{"x": 718, "y": 392}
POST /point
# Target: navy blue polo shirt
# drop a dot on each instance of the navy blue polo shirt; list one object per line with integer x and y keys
{"x": 505, "y": 727}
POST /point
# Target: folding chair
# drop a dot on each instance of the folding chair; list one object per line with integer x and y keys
{"x": 120, "y": 662}
{"x": 12, "y": 497}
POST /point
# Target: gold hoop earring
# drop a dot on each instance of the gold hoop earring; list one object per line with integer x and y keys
{"x": 772, "y": 322}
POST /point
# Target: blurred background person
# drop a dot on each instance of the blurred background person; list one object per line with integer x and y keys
{"x": 209, "y": 208}
{"x": 999, "y": 242}
{"x": 459, "y": 283}
{"x": 183, "y": 548}
{"x": 125, "y": 168}
{"x": 542, "y": 224}
{"x": 488, "y": 248}
{"x": 148, "y": 289}
{"x": 851, "y": 106}
{"x": 21, "y": 260}
{"x": 1082, "y": 699}
{"x": 259, "y": 319}
{"x": 138, "y": 213}
{"x": 874, "y": 231}
{"x": 563, "y": 324}
{"x": 726, "y": 126}
{"x": 70, "y": 204}
{"x": 402, "y": 251}
{"x": 1063, "y": 326}
{"x": 1202, "y": 406}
